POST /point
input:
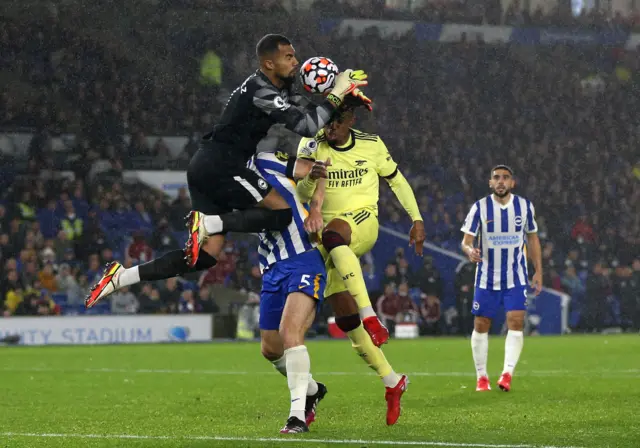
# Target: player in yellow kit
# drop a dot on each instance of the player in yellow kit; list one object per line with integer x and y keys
{"x": 349, "y": 215}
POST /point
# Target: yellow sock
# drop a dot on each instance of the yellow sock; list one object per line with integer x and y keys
{"x": 349, "y": 268}
{"x": 373, "y": 356}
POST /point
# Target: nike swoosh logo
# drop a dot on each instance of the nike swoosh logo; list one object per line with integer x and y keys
{"x": 294, "y": 400}
{"x": 491, "y": 220}
{"x": 301, "y": 287}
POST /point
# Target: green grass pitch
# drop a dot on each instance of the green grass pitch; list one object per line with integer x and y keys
{"x": 572, "y": 391}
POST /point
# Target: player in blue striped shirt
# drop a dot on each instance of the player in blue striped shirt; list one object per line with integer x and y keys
{"x": 503, "y": 223}
{"x": 293, "y": 282}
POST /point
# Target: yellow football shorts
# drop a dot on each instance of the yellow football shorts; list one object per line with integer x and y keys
{"x": 364, "y": 234}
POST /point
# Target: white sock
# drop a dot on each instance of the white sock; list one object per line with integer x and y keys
{"x": 512, "y": 349}
{"x": 480, "y": 349}
{"x": 312, "y": 388}
{"x": 367, "y": 311}
{"x": 298, "y": 367}
{"x": 129, "y": 276}
{"x": 212, "y": 224}
{"x": 391, "y": 380}
{"x": 281, "y": 366}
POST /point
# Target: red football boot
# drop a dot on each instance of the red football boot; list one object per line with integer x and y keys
{"x": 107, "y": 284}
{"x": 504, "y": 382}
{"x": 483, "y": 384}
{"x": 393, "y": 396}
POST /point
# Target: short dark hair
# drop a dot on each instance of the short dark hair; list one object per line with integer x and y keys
{"x": 270, "y": 43}
{"x": 502, "y": 167}
{"x": 351, "y": 102}
{"x": 349, "y": 105}
{"x": 343, "y": 111}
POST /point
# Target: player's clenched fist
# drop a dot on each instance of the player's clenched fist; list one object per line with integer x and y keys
{"x": 313, "y": 223}
{"x": 319, "y": 170}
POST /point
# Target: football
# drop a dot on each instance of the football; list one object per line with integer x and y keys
{"x": 318, "y": 74}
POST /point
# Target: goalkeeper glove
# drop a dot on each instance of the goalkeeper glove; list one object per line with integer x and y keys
{"x": 361, "y": 99}
{"x": 346, "y": 83}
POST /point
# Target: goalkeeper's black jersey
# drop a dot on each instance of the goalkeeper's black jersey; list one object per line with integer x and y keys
{"x": 253, "y": 108}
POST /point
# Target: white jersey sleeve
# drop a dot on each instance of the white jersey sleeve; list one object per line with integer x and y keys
{"x": 472, "y": 222}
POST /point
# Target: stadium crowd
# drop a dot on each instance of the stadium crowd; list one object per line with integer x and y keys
{"x": 433, "y": 11}
{"x": 447, "y": 116}
{"x": 478, "y": 13}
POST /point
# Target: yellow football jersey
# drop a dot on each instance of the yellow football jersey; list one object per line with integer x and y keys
{"x": 354, "y": 175}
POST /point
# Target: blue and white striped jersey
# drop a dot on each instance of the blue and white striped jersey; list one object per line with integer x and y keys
{"x": 277, "y": 246}
{"x": 502, "y": 230}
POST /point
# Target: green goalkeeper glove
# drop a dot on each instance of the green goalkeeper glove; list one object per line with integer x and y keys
{"x": 346, "y": 83}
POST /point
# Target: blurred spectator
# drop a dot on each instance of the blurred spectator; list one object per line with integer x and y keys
{"x": 13, "y": 291}
{"x": 430, "y": 314}
{"x": 628, "y": 293}
{"x": 124, "y": 301}
{"x": 48, "y": 278}
{"x": 139, "y": 250}
{"x": 170, "y": 296}
{"x": 583, "y": 231}
{"x": 149, "y": 300}
{"x": 404, "y": 272}
{"x": 29, "y": 273}
{"x": 180, "y": 207}
{"x": 61, "y": 244}
{"x": 26, "y": 208}
{"x": 465, "y": 288}
{"x": 139, "y": 146}
{"x": 94, "y": 271}
{"x": 7, "y": 250}
{"x": 394, "y": 303}
{"x": 163, "y": 239}
{"x": 4, "y": 221}
{"x": 248, "y": 318}
{"x": 189, "y": 303}
{"x": 597, "y": 291}
{"x": 71, "y": 224}
{"x": 572, "y": 284}
{"x": 207, "y": 302}
{"x": 68, "y": 285}
{"x": 49, "y": 219}
{"x": 143, "y": 220}
{"x": 390, "y": 276}
{"x": 106, "y": 256}
{"x": 428, "y": 279}
{"x": 29, "y": 306}
{"x": 225, "y": 266}
{"x": 252, "y": 282}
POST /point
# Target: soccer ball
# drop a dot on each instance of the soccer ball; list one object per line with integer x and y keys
{"x": 318, "y": 74}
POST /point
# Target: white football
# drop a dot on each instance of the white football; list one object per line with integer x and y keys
{"x": 318, "y": 74}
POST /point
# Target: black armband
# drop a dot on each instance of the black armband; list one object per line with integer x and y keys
{"x": 291, "y": 165}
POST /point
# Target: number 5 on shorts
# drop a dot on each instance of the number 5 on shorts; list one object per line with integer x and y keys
{"x": 304, "y": 281}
